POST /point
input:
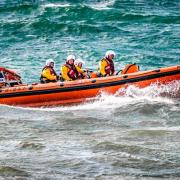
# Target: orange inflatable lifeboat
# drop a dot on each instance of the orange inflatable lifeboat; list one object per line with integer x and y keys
{"x": 68, "y": 92}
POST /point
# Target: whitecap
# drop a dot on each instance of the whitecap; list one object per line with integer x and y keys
{"x": 102, "y": 5}
{"x": 55, "y": 5}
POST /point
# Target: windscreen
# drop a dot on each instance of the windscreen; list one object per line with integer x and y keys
{"x": 1, "y": 77}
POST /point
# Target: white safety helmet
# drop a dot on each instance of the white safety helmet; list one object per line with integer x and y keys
{"x": 70, "y": 57}
{"x": 79, "y": 60}
{"x": 110, "y": 52}
{"x": 49, "y": 61}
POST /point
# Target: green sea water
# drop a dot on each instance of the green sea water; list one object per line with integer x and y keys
{"x": 145, "y": 32}
{"x": 131, "y": 137}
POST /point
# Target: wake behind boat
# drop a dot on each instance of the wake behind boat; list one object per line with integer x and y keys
{"x": 69, "y": 92}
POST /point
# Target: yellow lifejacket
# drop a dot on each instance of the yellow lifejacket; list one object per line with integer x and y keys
{"x": 81, "y": 73}
{"x": 48, "y": 75}
{"x": 69, "y": 72}
{"x": 106, "y": 67}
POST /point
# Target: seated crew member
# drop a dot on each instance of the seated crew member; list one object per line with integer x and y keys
{"x": 81, "y": 72}
{"x": 48, "y": 73}
{"x": 68, "y": 70}
{"x": 106, "y": 65}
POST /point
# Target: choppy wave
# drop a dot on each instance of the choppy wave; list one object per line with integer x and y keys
{"x": 133, "y": 134}
{"x": 9, "y": 172}
{"x": 137, "y": 32}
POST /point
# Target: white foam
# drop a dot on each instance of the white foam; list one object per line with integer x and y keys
{"x": 102, "y": 5}
{"x": 53, "y": 5}
{"x": 127, "y": 155}
{"x": 151, "y": 93}
{"x": 132, "y": 95}
{"x": 175, "y": 128}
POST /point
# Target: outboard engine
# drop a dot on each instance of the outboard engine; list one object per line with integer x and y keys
{"x": 9, "y": 78}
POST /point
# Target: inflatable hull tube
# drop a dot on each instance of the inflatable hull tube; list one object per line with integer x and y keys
{"x": 63, "y": 93}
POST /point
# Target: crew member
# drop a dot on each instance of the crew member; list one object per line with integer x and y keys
{"x": 48, "y": 73}
{"x": 106, "y": 65}
{"x": 81, "y": 72}
{"x": 68, "y": 70}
